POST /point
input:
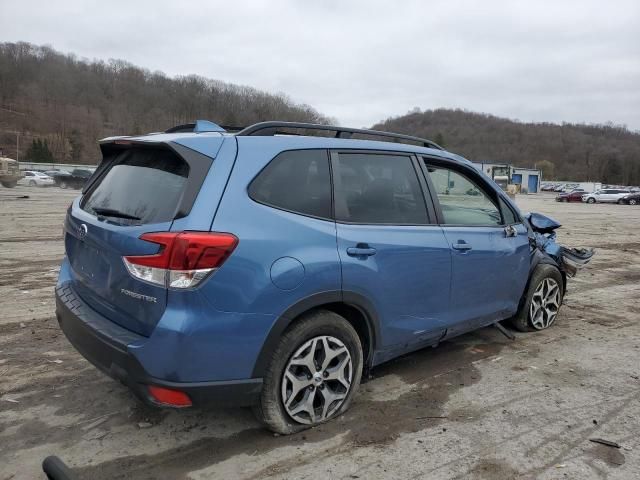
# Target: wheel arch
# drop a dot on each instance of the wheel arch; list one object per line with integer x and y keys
{"x": 355, "y": 308}
{"x": 540, "y": 258}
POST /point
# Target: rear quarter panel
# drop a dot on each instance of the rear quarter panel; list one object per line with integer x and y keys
{"x": 266, "y": 235}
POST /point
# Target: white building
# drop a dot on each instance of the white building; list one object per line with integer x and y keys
{"x": 528, "y": 179}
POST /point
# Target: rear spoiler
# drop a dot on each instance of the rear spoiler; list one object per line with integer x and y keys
{"x": 201, "y": 126}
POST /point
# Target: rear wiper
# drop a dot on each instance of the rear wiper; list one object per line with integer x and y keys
{"x": 110, "y": 212}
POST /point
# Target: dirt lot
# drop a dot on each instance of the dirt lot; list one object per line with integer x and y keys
{"x": 480, "y": 406}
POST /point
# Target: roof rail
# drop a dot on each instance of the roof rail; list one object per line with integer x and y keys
{"x": 274, "y": 128}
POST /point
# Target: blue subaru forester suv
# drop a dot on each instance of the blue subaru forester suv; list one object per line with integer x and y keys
{"x": 266, "y": 269}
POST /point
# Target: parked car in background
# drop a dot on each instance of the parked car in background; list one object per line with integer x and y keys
{"x": 631, "y": 199}
{"x": 572, "y": 196}
{"x": 76, "y": 179}
{"x": 276, "y": 273}
{"x": 607, "y": 195}
{"x": 36, "y": 179}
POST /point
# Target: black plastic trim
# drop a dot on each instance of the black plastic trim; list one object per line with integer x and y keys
{"x": 317, "y": 301}
{"x": 199, "y": 165}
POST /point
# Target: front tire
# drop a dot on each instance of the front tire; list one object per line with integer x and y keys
{"x": 313, "y": 374}
{"x": 64, "y": 185}
{"x": 633, "y": 201}
{"x": 542, "y": 301}
{"x": 591, "y": 200}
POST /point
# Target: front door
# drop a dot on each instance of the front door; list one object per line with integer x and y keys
{"x": 391, "y": 251}
{"x": 489, "y": 245}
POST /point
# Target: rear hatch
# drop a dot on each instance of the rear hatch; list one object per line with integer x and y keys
{"x": 137, "y": 190}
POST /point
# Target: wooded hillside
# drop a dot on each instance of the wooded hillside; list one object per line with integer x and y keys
{"x": 607, "y": 153}
{"x": 67, "y": 103}
{"x": 60, "y": 105}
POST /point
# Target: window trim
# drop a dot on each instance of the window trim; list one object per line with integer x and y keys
{"x": 471, "y": 174}
{"x": 295, "y": 212}
{"x": 430, "y": 211}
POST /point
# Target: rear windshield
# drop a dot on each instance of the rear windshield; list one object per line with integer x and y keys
{"x": 140, "y": 186}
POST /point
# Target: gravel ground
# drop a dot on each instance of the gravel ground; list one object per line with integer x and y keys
{"x": 479, "y": 406}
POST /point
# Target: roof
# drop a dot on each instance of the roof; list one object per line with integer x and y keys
{"x": 275, "y": 132}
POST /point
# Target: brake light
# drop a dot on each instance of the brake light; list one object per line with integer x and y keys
{"x": 184, "y": 259}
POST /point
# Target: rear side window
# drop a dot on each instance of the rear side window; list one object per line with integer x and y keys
{"x": 297, "y": 181}
{"x": 144, "y": 184}
{"x": 377, "y": 189}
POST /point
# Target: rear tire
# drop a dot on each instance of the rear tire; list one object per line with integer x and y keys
{"x": 542, "y": 301}
{"x": 9, "y": 184}
{"x": 293, "y": 397}
{"x": 633, "y": 201}
{"x": 64, "y": 185}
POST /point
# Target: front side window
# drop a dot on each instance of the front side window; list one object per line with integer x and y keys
{"x": 377, "y": 189}
{"x": 462, "y": 201}
{"x": 297, "y": 181}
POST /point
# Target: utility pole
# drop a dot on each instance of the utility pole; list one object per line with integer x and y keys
{"x": 18, "y": 147}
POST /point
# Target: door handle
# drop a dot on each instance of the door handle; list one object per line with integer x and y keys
{"x": 361, "y": 250}
{"x": 461, "y": 245}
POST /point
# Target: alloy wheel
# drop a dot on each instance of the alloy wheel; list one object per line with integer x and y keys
{"x": 633, "y": 201}
{"x": 317, "y": 380}
{"x": 545, "y": 304}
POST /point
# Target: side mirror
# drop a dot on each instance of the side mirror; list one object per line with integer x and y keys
{"x": 541, "y": 223}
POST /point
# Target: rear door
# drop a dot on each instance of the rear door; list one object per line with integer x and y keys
{"x": 391, "y": 251}
{"x": 488, "y": 242}
{"x": 140, "y": 189}
{"x": 608, "y": 195}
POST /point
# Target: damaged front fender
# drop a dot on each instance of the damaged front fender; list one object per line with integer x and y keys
{"x": 542, "y": 233}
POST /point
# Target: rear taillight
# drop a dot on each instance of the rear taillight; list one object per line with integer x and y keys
{"x": 184, "y": 259}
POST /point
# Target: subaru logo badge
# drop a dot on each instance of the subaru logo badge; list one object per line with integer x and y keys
{"x": 82, "y": 231}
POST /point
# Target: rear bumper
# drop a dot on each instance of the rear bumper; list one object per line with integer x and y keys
{"x": 107, "y": 346}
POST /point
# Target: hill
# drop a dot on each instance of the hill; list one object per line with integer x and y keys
{"x": 70, "y": 103}
{"x": 607, "y": 153}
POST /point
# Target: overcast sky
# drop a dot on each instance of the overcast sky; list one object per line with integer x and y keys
{"x": 363, "y": 61}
